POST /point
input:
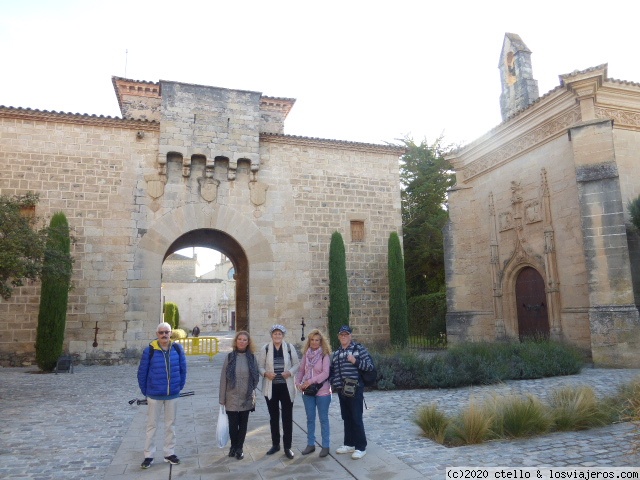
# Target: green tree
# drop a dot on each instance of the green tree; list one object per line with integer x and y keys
{"x": 426, "y": 176}
{"x": 398, "y": 321}
{"x": 338, "y": 314}
{"x": 54, "y": 293}
{"x": 171, "y": 314}
{"x": 22, "y": 243}
{"x": 634, "y": 211}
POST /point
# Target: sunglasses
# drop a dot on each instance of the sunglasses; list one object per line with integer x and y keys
{"x": 164, "y": 332}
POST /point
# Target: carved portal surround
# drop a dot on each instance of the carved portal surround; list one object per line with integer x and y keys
{"x": 511, "y": 230}
{"x": 207, "y": 183}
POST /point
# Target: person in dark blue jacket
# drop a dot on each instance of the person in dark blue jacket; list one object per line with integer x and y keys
{"x": 161, "y": 376}
{"x": 347, "y": 363}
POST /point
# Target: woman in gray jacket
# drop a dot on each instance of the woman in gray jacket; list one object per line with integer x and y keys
{"x": 238, "y": 381}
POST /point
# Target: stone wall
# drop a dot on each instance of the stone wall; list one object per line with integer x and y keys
{"x": 548, "y": 189}
{"x": 215, "y": 171}
{"x": 87, "y": 168}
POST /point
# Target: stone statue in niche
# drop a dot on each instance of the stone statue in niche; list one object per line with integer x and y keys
{"x": 208, "y": 188}
{"x": 516, "y": 195}
{"x": 258, "y": 192}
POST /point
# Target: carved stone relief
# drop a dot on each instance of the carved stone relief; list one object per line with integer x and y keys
{"x": 155, "y": 185}
{"x": 505, "y": 221}
{"x": 515, "y": 147}
{"x": 532, "y": 212}
{"x": 208, "y": 188}
{"x": 258, "y": 191}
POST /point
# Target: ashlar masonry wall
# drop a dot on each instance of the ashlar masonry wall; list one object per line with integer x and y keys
{"x": 86, "y": 167}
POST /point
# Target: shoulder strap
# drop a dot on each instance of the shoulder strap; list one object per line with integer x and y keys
{"x": 153, "y": 350}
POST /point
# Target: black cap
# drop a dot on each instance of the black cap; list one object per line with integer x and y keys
{"x": 345, "y": 328}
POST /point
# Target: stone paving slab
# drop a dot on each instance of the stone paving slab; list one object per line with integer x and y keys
{"x": 80, "y": 426}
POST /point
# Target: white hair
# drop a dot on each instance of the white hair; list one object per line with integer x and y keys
{"x": 163, "y": 325}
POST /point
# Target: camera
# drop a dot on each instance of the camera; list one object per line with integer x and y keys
{"x": 349, "y": 387}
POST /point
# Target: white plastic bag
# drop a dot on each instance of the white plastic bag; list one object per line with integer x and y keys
{"x": 222, "y": 433}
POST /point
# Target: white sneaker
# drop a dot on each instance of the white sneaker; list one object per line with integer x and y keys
{"x": 345, "y": 449}
{"x": 358, "y": 454}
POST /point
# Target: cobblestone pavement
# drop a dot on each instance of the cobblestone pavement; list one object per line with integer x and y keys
{"x": 80, "y": 426}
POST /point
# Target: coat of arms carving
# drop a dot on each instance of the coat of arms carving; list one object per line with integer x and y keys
{"x": 209, "y": 188}
{"x": 258, "y": 192}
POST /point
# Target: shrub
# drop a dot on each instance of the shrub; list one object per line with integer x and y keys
{"x": 54, "y": 293}
{"x": 178, "y": 333}
{"x": 338, "y": 314}
{"x": 427, "y": 314}
{"x": 634, "y": 211}
{"x": 171, "y": 314}
{"x": 473, "y": 364}
{"x": 398, "y": 323}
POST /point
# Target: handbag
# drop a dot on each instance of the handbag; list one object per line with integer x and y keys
{"x": 313, "y": 389}
{"x": 222, "y": 432}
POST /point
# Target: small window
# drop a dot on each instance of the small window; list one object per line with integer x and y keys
{"x": 231, "y": 273}
{"x": 357, "y": 231}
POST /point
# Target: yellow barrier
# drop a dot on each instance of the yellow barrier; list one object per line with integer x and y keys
{"x": 199, "y": 346}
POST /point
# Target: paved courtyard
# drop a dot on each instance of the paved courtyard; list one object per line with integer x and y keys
{"x": 81, "y": 426}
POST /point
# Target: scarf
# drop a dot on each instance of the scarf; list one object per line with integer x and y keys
{"x": 311, "y": 358}
{"x": 253, "y": 370}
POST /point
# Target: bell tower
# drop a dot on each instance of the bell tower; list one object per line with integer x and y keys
{"x": 519, "y": 89}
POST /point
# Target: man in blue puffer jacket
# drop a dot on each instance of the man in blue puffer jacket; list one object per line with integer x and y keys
{"x": 161, "y": 376}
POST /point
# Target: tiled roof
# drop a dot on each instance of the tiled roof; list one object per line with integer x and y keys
{"x": 343, "y": 143}
{"x": 73, "y": 117}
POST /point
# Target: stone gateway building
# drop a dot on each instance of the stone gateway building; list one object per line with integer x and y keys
{"x": 539, "y": 241}
{"x": 191, "y": 165}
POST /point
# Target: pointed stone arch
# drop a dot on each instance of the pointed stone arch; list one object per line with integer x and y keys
{"x": 509, "y": 279}
{"x": 223, "y": 229}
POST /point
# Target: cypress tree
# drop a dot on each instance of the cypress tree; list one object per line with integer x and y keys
{"x": 54, "y": 293}
{"x": 338, "y": 314}
{"x": 170, "y": 314}
{"x": 398, "y": 318}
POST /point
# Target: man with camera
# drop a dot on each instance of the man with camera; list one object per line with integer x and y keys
{"x": 346, "y": 364}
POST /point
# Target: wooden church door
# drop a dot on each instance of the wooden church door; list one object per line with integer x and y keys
{"x": 533, "y": 320}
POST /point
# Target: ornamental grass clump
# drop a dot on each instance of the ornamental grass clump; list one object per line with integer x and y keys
{"x": 519, "y": 416}
{"x": 577, "y": 408}
{"x": 472, "y": 426}
{"x": 433, "y": 422}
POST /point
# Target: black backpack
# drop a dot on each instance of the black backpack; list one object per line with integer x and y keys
{"x": 370, "y": 377}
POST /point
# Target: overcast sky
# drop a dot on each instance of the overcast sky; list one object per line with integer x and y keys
{"x": 369, "y": 71}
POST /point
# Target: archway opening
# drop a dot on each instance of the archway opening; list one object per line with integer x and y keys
{"x": 218, "y": 299}
{"x": 533, "y": 318}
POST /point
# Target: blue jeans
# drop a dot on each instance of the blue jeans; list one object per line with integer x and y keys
{"x": 322, "y": 404}
{"x": 351, "y": 409}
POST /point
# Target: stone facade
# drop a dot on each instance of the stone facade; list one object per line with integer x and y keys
{"x": 193, "y": 165}
{"x": 545, "y": 194}
{"x": 207, "y": 301}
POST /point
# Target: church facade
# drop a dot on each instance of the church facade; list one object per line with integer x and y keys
{"x": 191, "y": 165}
{"x": 539, "y": 242}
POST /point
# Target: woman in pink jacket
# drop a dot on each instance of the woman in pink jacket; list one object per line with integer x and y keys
{"x": 314, "y": 369}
